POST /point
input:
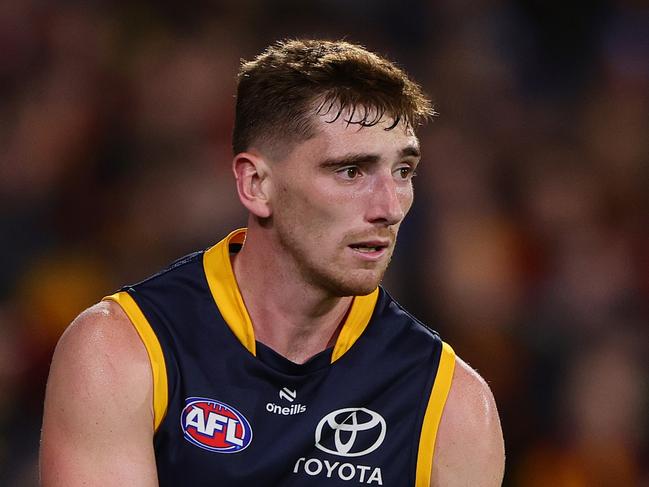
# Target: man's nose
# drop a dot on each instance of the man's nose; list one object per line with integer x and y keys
{"x": 387, "y": 203}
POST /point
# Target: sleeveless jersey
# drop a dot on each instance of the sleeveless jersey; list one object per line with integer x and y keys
{"x": 231, "y": 412}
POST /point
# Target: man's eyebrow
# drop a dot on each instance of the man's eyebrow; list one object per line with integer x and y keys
{"x": 411, "y": 150}
{"x": 350, "y": 160}
{"x": 356, "y": 159}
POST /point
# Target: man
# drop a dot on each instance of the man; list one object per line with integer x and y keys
{"x": 274, "y": 358}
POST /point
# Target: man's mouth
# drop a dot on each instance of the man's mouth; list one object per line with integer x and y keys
{"x": 369, "y": 247}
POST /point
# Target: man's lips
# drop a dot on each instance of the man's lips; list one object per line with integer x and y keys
{"x": 376, "y": 244}
{"x": 370, "y": 245}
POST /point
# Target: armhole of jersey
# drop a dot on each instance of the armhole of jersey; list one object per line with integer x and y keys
{"x": 154, "y": 350}
{"x": 433, "y": 415}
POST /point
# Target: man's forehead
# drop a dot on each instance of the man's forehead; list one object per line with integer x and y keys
{"x": 340, "y": 132}
{"x": 337, "y": 136}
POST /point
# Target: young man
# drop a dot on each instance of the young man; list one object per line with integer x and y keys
{"x": 274, "y": 358}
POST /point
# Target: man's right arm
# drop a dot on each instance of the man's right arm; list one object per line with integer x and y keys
{"x": 98, "y": 418}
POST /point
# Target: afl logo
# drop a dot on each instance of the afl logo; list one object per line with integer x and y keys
{"x": 215, "y": 426}
{"x": 350, "y": 432}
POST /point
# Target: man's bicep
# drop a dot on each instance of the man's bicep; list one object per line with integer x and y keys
{"x": 98, "y": 419}
{"x": 469, "y": 449}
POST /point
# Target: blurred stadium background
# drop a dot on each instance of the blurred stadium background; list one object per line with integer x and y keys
{"x": 527, "y": 247}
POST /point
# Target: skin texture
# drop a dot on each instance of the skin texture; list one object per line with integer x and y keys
{"x": 470, "y": 450}
{"x": 346, "y": 188}
{"x": 98, "y": 418}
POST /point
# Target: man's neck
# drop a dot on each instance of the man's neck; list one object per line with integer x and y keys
{"x": 294, "y": 318}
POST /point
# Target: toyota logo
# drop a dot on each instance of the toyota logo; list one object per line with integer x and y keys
{"x": 350, "y": 432}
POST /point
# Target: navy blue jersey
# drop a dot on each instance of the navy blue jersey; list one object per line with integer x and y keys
{"x": 231, "y": 412}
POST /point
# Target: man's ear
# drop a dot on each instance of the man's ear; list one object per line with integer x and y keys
{"x": 252, "y": 174}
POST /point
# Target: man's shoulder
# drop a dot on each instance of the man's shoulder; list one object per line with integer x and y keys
{"x": 470, "y": 448}
{"x": 470, "y": 395}
{"x": 99, "y": 393}
{"x": 101, "y": 346}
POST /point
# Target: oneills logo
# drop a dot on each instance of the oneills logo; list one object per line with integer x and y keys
{"x": 288, "y": 395}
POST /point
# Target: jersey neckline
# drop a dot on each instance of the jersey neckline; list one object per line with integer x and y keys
{"x": 285, "y": 366}
{"x": 225, "y": 292}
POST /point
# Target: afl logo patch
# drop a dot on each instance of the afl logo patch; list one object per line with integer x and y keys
{"x": 215, "y": 426}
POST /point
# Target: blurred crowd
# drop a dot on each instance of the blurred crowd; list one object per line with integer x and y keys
{"x": 527, "y": 247}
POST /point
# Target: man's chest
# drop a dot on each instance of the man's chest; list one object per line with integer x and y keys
{"x": 345, "y": 424}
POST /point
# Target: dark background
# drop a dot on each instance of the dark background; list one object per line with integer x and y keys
{"x": 527, "y": 247}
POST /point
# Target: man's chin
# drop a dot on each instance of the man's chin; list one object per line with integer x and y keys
{"x": 356, "y": 285}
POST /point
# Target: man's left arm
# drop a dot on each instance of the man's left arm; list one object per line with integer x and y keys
{"x": 469, "y": 449}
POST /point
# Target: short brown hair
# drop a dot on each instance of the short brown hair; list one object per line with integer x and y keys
{"x": 280, "y": 90}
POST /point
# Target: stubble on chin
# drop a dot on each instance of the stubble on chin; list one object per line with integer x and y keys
{"x": 332, "y": 272}
{"x": 354, "y": 282}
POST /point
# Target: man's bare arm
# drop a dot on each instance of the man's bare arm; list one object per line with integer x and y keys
{"x": 469, "y": 450}
{"x": 98, "y": 419}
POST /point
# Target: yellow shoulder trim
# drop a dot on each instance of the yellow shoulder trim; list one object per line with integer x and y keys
{"x": 357, "y": 319}
{"x": 433, "y": 415}
{"x": 152, "y": 345}
{"x": 225, "y": 291}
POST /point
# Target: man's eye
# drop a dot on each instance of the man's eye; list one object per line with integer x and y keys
{"x": 406, "y": 172}
{"x": 350, "y": 172}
